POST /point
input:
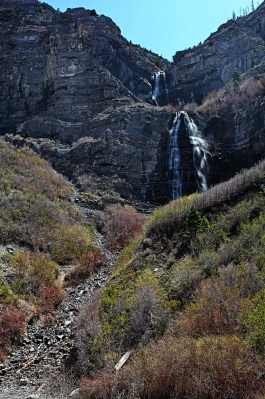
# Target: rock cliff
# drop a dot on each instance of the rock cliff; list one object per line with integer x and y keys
{"x": 60, "y": 69}
{"x": 83, "y": 96}
{"x": 239, "y": 43}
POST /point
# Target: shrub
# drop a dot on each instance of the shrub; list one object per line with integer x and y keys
{"x": 148, "y": 313}
{"x": 87, "y": 264}
{"x": 210, "y": 367}
{"x": 88, "y": 326}
{"x": 12, "y": 327}
{"x": 51, "y": 297}
{"x": 230, "y": 98}
{"x": 70, "y": 243}
{"x": 130, "y": 311}
{"x": 182, "y": 279}
{"x": 170, "y": 219}
{"x": 99, "y": 386}
{"x": 36, "y": 208}
{"x": 216, "y": 310}
{"x": 124, "y": 223}
{"x": 35, "y": 269}
{"x": 253, "y": 318}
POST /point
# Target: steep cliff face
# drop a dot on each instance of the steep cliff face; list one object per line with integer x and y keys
{"x": 239, "y": 43}
{"x": 60, "y": 69}
{"x": 127, "y": 146}
{"x": 89, "y": 101}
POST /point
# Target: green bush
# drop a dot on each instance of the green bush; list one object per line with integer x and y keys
{"x": 253, "y": 318}
{"x": 70, "y": 243}
{"x": 35, "y": 269}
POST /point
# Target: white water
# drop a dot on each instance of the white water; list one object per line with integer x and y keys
{"x": 160, "y": 88}
{"x": 200, "y": 153}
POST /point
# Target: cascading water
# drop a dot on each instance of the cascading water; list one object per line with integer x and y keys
{"x": 174, "y": 175}
{"x": 200, "y": 153}
{"x": 160, "y": 92}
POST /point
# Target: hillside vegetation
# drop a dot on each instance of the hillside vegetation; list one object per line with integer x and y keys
{"x": 233, "y": 96}
{"x": 42, "y": 229}
{"x": 187, "y": 298}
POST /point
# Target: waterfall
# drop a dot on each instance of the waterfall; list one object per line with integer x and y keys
{"x": 160, "y": 92}
{"x": 200, "y": 152}
{"x": 174, "y": 175}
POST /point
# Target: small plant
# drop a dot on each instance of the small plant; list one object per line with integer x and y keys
{"x": 236, "y": 79}
{"x": 6, "y": 294}
{"x": 196, "y": 222}
{"x": 253, "y": 318}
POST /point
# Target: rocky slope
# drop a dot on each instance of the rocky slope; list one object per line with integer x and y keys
{"x": 33, "y": 370}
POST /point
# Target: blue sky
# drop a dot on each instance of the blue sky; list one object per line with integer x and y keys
{"x": 163, "y": 26}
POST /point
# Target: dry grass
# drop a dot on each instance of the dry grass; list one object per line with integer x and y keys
{"x": 230, "y": 98}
